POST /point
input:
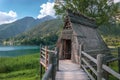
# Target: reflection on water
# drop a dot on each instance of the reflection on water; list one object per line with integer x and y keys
{"x": 7, "y": 51}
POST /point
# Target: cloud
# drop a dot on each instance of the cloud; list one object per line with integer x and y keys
{"x": 47, "y": 9}
{"x": 116, "y": 1}
{"x": 7, "y": 17}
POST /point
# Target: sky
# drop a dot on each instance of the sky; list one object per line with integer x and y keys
{"x": 11, "y": 10}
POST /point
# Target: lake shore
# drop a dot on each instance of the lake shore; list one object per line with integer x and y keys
{"x": 13, "y": 51}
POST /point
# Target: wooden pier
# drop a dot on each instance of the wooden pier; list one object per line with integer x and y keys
{"x": 67, "y": 70}
{"x": 70, "y": 71}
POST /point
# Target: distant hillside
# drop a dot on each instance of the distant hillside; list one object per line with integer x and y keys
{"x": 44, "y": 33}
{"x": 48, "y": 31}
{"x": 20, "y": 26}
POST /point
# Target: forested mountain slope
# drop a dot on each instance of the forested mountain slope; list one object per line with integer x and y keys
{"x": 20, "y": 26}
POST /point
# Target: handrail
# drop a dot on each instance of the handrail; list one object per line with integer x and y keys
{"x": 47, "y": 74}
{"x": 48, "y": 59}
{"x": 89, "y": 66}
{"x": 111, "y": 71}
{"x": 43, "y": 49}
{"x": 99, "y": 64}
{"x": 90, "y": 57}
{"x": 52, "y": 51}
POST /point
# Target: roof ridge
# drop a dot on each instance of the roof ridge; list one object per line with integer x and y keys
{"x": 81, "y": 19}
{"x": 79, "y": 14}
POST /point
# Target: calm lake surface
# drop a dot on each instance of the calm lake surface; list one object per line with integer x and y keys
{"x": 11, "y": 51}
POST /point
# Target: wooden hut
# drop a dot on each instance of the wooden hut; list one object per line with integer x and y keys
{"x": 80, "y": 30}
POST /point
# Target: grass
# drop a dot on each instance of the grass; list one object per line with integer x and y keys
{"x": 30, "y": 74}
{"x": 114, "y": 65}
{"x": 27, "y": 67}
{"x": 20, "y": 68}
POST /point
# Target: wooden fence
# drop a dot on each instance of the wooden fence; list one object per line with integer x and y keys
{"x": 98, "y": 70}
{"x": 94, "y": 67}
{"x": 49, "y": 61}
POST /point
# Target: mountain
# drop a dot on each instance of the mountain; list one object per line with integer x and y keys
{"x": 20, "y": 26}
{"x": 44, "y": 33}
{"x": 38, "y": 21}
{"x": 47, "y": 33}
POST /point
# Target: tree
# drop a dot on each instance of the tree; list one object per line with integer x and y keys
{"x": 103, "y": 11}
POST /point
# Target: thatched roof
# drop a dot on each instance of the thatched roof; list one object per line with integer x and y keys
{"x": 81, "y": 19}
{"x": 89, "y": 37}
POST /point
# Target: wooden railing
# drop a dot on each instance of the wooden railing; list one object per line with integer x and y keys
{"x": 49, "y": 61}
{"x": 95, "y": 68}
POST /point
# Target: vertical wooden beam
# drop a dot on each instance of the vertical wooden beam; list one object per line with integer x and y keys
{"x": 46, "y": 57}
{"x": 54, "y": 66}
{"x": 99, "y": 66}
{"x": 80, "y": 56}
{"x": 52, "y": 60}
{"x": 106, "y": 73}
{"x": 62, "y": 56}
{"x": 55, "y": 49}
{"x": 64, "y": 49}
{"x": 50, "y": 56}
{"x": 61, "y": 50}
{"x": 118, "y": 60}
{"x": 57, "y": 59}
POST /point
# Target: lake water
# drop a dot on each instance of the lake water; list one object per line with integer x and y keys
{"x": 10, "y": 51}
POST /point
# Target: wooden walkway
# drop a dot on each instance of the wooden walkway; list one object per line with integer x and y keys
{"x": 70, "y": 71}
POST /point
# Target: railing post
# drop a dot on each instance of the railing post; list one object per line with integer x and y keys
{"x": 119, "y": 59}
{"x": 54, "y": 66}
{"x": 99, "y": 66}
{"x": 57, "y": 57}
{"x": 80, "y": 52}
{"x": 50, "y": 61}
{"x": 50, "y": 55}
{"x": 46, "y": 56}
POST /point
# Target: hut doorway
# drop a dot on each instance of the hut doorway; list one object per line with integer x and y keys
{"x": 67, "y": 49}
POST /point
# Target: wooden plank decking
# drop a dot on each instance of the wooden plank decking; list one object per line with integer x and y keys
{"x": 70, "y": 71}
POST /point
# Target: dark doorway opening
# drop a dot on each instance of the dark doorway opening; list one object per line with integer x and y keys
{"x": 67, "y": 49}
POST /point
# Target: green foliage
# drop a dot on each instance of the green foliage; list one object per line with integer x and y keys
{"x": 47, "y": 40}
{"x": 20, "y": 68}
{"x": 102, "y": 10}
{"x": 110, "y": 29}
{"x": 114, "y": 65}
{"x": 111, "y": 34}
{"x": 112, "y": 40}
